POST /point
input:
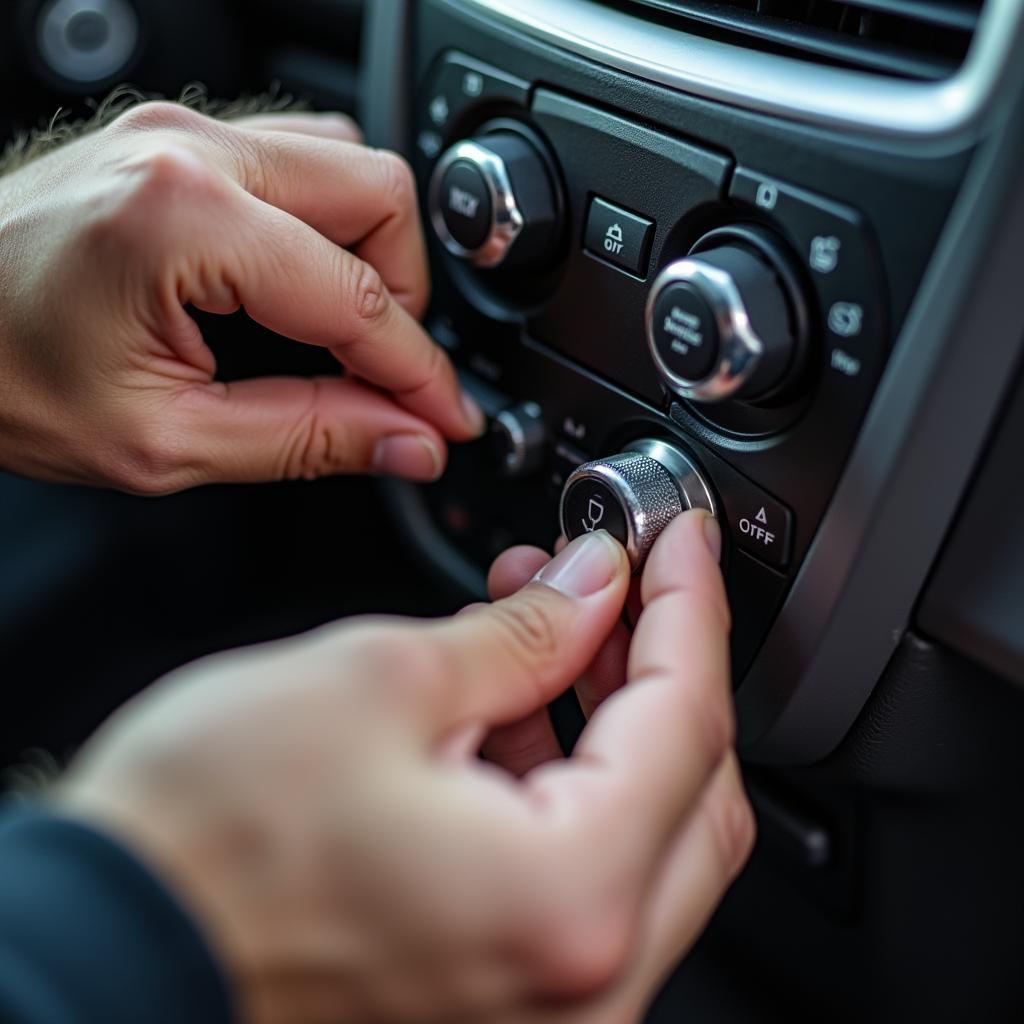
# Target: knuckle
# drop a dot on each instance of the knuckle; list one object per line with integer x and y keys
{"x": 583, "y": 952}
{"x": 702, "y": 698}
{"x": 701, "y": 703}
{"x": 720, "y": 603}
{"x": 367, "y": 291}
{"x": 156, "y": 115}
{"x": 257, "y": 161}
{"x": 144, "y": 198}
{"x": 319, "y": 445}
{"x": 397, "y": 180}
{"x": 528, "y": 629}
{"x": 735, "y": 828}
{"x": 154, "y": 461}
{"x": 168, "y": 167}
{"x": 394, "y": 663}
{"x": 714, "y": 711}
{"x": 435, "y": 363}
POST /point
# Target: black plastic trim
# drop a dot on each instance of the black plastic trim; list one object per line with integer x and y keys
{"x": 922, "y": 436}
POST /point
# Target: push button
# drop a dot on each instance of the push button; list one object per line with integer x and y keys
{"x": 466, "y": 204}
{"x": 591, "y": 504}
{"x": 618, "y": 237}
{"x": 493, "y": 201}
{"x": 684, "y": 331}
{"x": 458, "y": 87}
{"x": 834, "y": 246}
{"x": 758, "y": 523}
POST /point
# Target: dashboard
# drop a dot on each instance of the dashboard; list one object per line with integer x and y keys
{"x": 757, "y": 256}
{"x": 646, "y": 234}
{"x": 762, "y": 259}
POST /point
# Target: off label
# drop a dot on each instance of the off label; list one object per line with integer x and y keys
{"x": 757, "y": 528}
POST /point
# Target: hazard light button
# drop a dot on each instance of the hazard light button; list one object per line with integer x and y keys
{"x": 759, "y": 524}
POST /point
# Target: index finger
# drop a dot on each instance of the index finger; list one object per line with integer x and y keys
{"x": 650, "y": 748}
{"x": 360, "y": 198}
{"x": 294, "y": 281}
{"x": 327, "y": 124}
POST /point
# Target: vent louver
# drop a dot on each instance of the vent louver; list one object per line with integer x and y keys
{"x": 920, "y": 39}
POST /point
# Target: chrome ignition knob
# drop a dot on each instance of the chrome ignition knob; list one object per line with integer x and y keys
{"x": 493, "y": 201}
{"x": 726, "y": 321}
{"x": 633, "y": 495}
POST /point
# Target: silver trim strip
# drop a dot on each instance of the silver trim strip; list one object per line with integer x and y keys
{"x": 915, "y": 458}
{"x": 766, "y": 82}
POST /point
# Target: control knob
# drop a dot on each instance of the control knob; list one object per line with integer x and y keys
{"x": 517, "y": 438}
{"x": 633, "y": 495}
{"x": 493, "y": 201}
{"x": 728, "y": 320}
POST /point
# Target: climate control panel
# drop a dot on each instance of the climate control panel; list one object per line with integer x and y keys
{"x": 659, "y": 308}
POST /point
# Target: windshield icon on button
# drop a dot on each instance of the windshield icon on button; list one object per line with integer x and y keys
{"x": 595, "y": 513}
{"x": 613, "y": 239}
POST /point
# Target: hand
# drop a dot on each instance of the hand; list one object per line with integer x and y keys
{"x": 106, "y": 378}
{"x": 318, "y": 805}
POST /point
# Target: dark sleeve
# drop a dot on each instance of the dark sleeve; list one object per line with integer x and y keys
{"x": 87, "y": 934}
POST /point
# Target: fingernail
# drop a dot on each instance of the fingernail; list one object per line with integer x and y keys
{"x": 473, "y": 414}
{"x": 713, "y": 537}
{"x": 410, "y": 456}
{"x": 583, "y": 567}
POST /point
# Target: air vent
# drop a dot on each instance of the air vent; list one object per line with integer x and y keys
{"x": 918, "y": 39}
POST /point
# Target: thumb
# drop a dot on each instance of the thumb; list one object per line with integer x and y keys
{"x": 291, "y": 427}
{"x": 505, "y": 660}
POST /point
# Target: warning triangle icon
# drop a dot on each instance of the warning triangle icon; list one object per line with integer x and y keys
{"x": 761, "y": 517}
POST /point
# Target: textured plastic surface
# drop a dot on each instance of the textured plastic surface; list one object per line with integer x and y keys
{"x": 975, "y": 602}
{"x": 578, "y": 347}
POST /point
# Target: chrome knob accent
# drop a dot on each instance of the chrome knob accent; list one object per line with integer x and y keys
{"x": 719, "y": 325}
{"x": 518, "y": 438}
{"x": 493, "y": 201}
{"x": 633, "y": 495}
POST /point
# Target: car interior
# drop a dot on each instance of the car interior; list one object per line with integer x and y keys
{"x": 763, "y": 257}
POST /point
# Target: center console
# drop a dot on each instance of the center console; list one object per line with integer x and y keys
{"x": 679, "y": 268}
